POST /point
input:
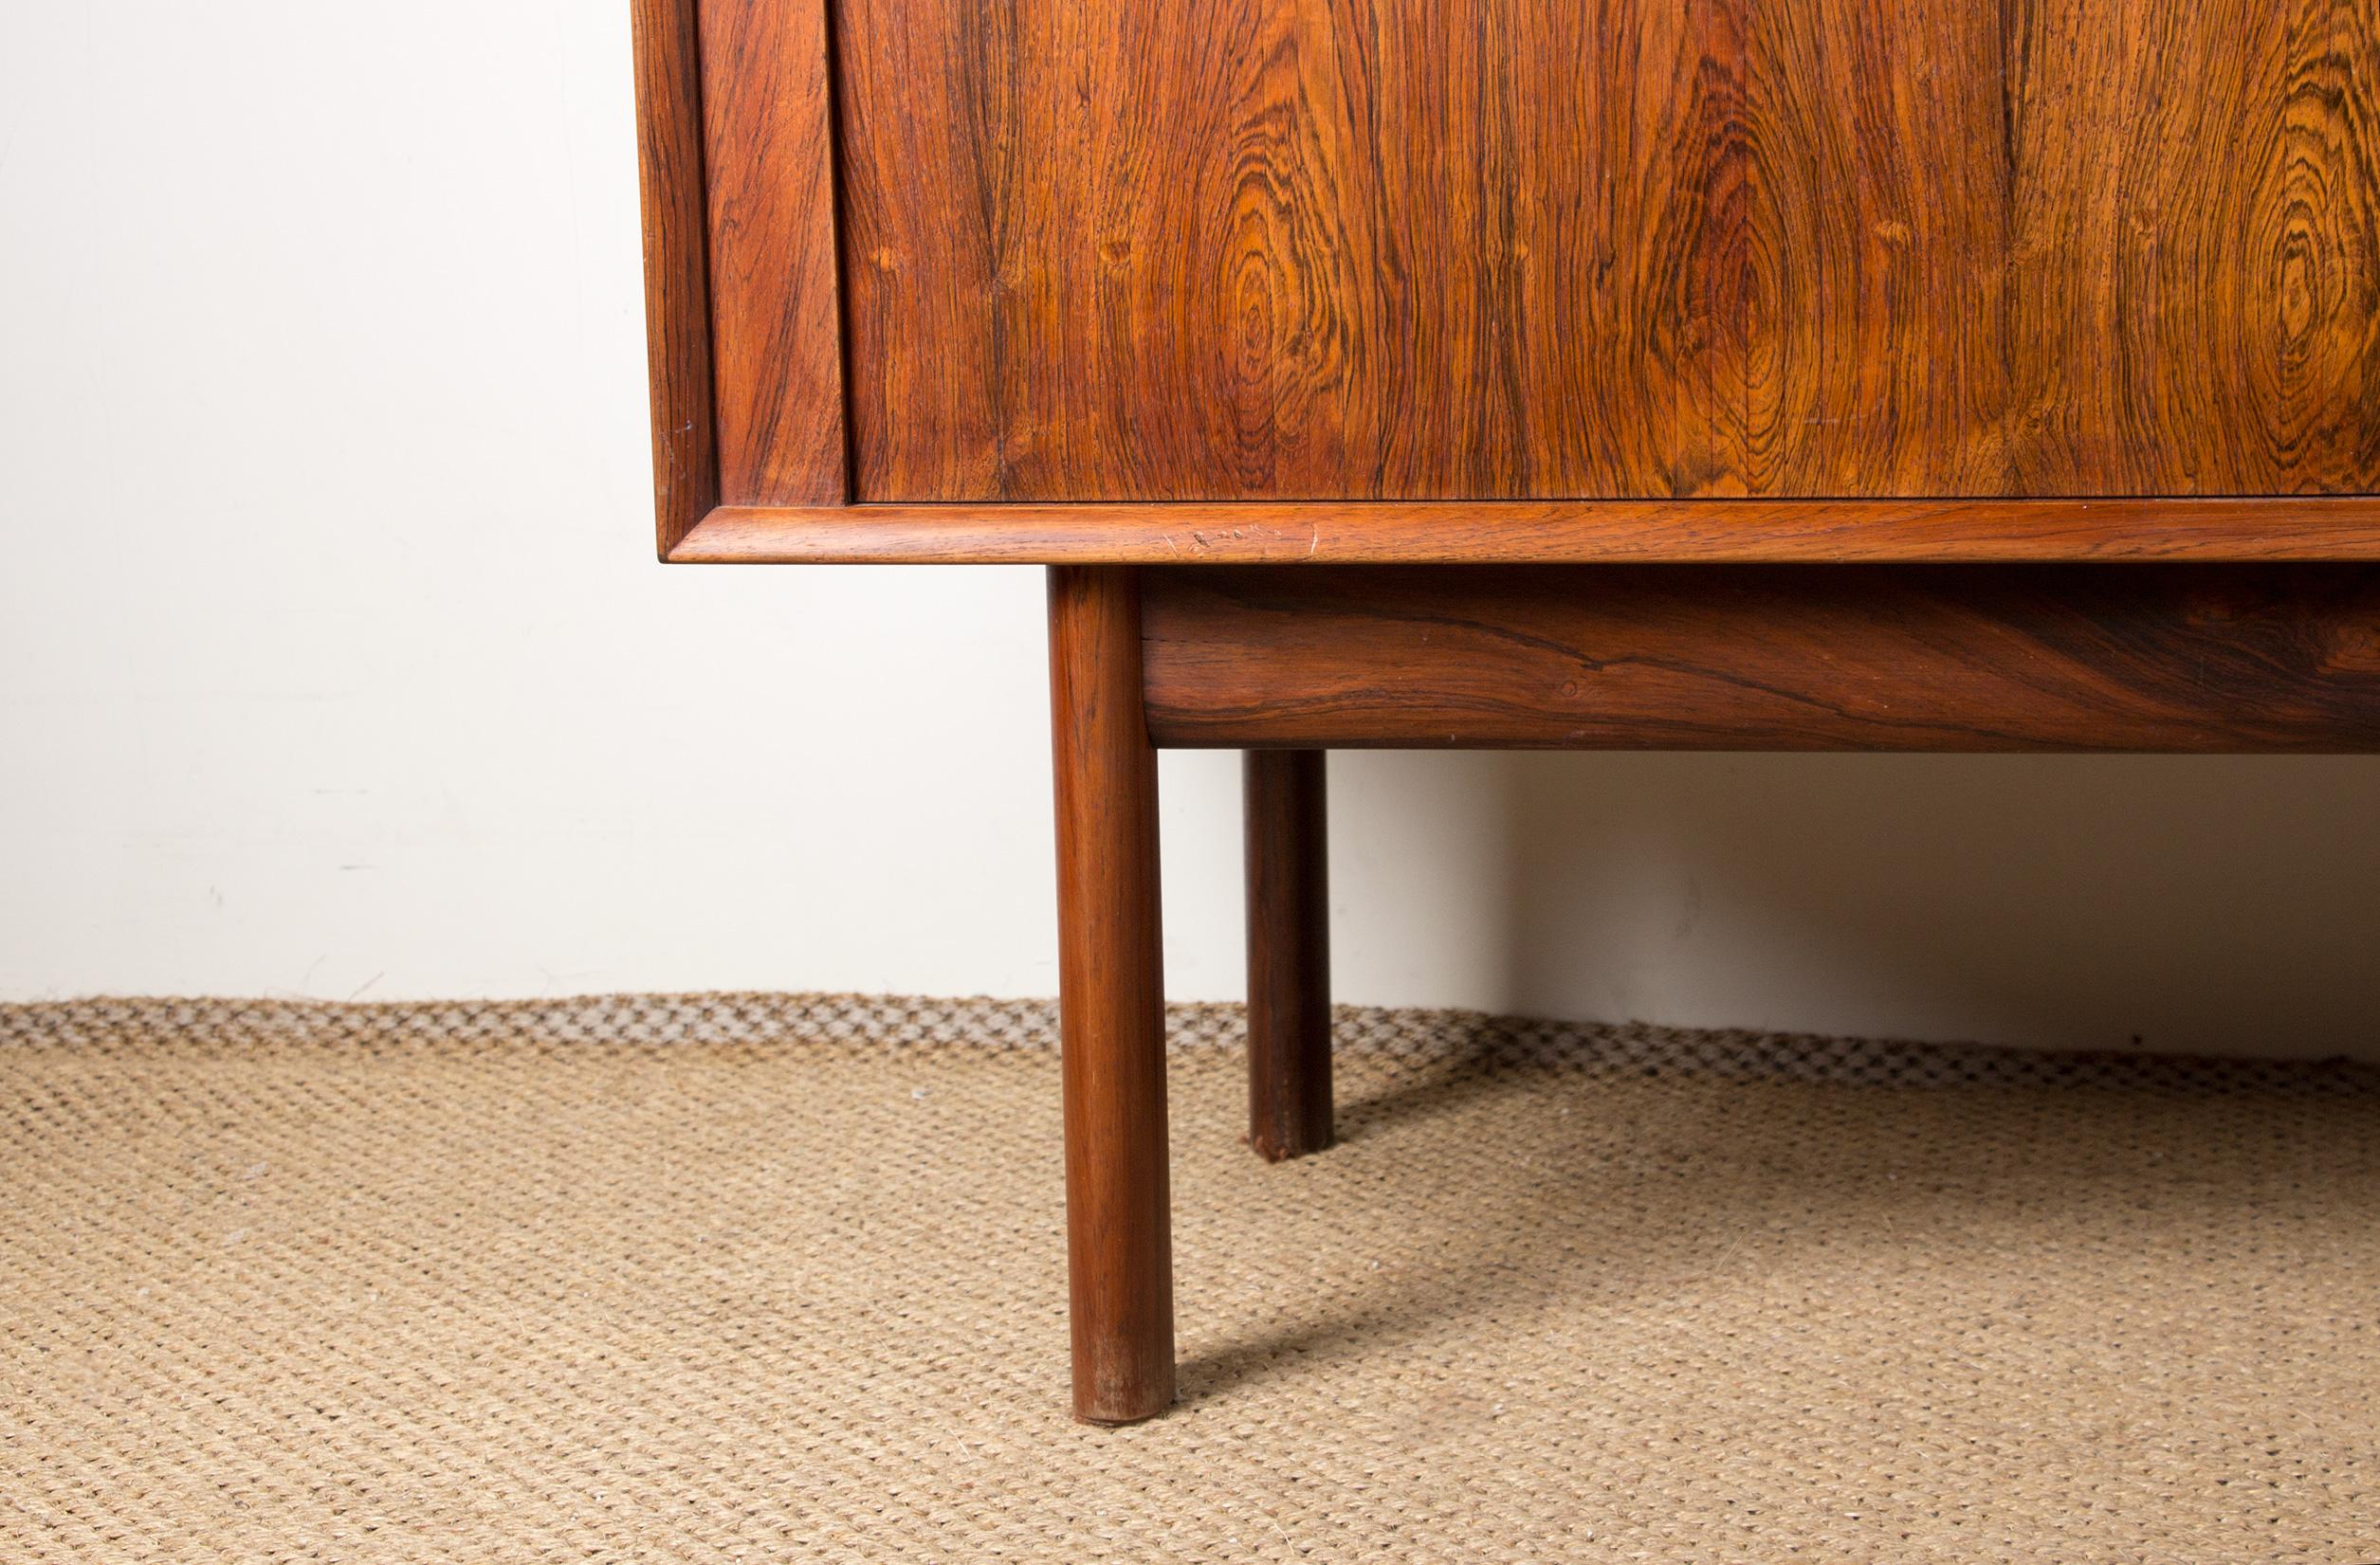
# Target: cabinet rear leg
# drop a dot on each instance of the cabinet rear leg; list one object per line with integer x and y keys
{"x": 1289, "y": 954}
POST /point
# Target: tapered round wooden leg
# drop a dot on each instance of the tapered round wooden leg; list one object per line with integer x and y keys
{"x": 1111, "y": 984}
{"x": 1289, "y": 954}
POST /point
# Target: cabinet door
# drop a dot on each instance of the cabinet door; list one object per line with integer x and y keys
{"x": 1265, "y": 251}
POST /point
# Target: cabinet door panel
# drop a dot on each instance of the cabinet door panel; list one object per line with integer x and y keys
{"x": 1273, "y": 249}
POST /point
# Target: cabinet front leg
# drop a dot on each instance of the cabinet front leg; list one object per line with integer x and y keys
{"x": 1112, "y": 1001}
{"x": 1289, "y": 954}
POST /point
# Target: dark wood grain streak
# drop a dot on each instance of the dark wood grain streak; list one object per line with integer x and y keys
{"x": 1643, "y": 532}
{"x": 778, "y": 350}
{"x": 2230, "y": 659}
{"x": 1110, "y": 1001}
{"x": 1403, "y": 249}
{"x": 1289, "y": 952}
{"x": 677, "y": 301}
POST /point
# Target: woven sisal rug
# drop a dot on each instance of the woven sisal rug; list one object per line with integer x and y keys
{"x": 781, "y": 1277}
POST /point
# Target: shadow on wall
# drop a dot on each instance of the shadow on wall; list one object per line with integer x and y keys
{"x": 2222, "y": 905}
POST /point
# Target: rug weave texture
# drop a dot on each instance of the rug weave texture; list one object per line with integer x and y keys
{"x": 752, "y": 1276}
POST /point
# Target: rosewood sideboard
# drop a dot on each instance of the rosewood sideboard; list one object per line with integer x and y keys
{"x": 1802, "y": 374}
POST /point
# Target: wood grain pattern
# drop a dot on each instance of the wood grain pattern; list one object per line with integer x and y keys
{"x": 768, "y": 118}
{"x": 1289, "y": 952}
{"x": 1282, "y": 249}
{"x": 1870, "y": 238}
{"x": 1110, "y": 1001}
{"x": 1512, "y": 532}
{"x": 677, "y": 301}
{"x": 2317, "y": 237}
{"x": 2229, "y": 659}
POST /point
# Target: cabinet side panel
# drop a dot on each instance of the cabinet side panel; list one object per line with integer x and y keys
{"x": 677, "y": 301}
{"x": 768, "y": 118}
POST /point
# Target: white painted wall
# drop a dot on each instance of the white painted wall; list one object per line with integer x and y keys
{"x": 333, "y": 661}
